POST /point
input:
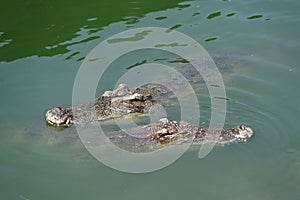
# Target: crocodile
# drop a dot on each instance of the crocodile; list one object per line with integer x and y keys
{"x": 166, "y": 132}
{"x": 123, "y": 101}
{"x": 112, "y": 104}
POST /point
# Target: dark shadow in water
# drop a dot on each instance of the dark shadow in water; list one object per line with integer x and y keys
{"x": 160, "y": 18}
{"x": 34, "y": 25}
{"x": 213, "y": 15}
{"x": 255, "y": 17}
{"x": 230, "y": 14}
{"x": 173, "y": 28}
{"x": 210, "y": 39}
{"x": 137, "y": 64}
{"x": 182, "y": 6}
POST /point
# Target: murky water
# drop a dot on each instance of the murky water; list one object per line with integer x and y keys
{"x": 43, "y": 44}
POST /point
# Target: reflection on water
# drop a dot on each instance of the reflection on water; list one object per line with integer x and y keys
{"x": 66, "y": 44}
{"x": 195, "y": 14}
{"x": 84, "y": 24}
{"x": 213, "y": 15}
{"x": 210, "y": 39}
{"x": 230, "y": 14}
{"x": 136, "y": 37}
{"x": 182, "y": 6}
{"x": 175, "y": 44}
{"x": 160, "y": 18}
{"x": 52, "y": 23}
{"x": 131, "y": 20}
{"x": 173, "y": 28}
{"x": 255, "y": 17}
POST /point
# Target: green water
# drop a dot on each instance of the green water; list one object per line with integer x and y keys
{"x": 43, "y": 44}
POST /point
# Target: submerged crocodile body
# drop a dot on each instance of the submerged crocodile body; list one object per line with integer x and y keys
{"x": 123, "y": 101}
{"x": 166, "y": 132}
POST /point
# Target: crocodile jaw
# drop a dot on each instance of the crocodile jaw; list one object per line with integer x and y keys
{"x": 58, "y": 117}
{"x": 244, "y": 133}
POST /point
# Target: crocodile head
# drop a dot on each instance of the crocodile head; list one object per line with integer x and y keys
{"x": 242, "y": 133}
{"x": 59, "y": 117}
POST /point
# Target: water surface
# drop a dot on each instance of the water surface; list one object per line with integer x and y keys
{"x": 43, "y": 44}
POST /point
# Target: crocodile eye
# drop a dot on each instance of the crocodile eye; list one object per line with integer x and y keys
{"x": 242, "y": 127}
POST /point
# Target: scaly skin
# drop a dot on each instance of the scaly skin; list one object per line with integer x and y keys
{"x": 123, "y": 101}
{"x": 112, "y": 104}
{"x": 166, "y": 132}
